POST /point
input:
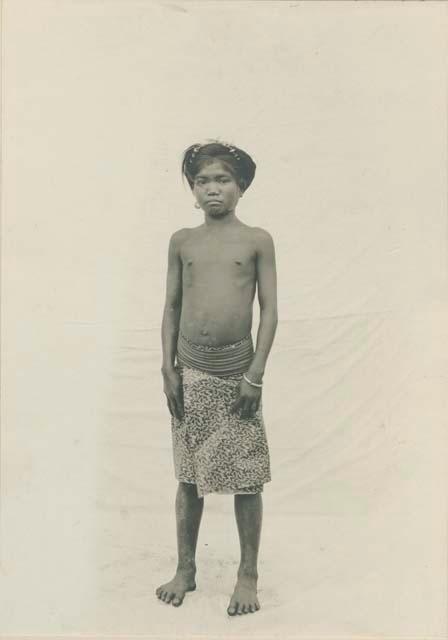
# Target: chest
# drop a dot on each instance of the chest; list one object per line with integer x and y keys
{"x": 225, "y": 258}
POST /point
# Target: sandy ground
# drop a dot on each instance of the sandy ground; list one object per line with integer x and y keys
{"x": 354, "y": 519}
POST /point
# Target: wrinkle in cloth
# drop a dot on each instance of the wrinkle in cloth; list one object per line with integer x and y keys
{"x": 218, "y": 451}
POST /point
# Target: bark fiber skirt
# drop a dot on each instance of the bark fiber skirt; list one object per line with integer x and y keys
{"x": 218, "y": 451}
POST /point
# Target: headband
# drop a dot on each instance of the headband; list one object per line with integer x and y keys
{"x": 231, "y": 150}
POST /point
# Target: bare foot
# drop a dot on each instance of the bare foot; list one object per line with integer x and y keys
{"x": 244, "y": 598}
{"x": 174, "y": 591}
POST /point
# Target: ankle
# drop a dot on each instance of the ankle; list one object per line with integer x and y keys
{"x": 186, "y": 567}
{"x": 247, "y": 573}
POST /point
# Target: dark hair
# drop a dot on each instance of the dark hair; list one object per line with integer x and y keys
{"x": 239, "y": 163}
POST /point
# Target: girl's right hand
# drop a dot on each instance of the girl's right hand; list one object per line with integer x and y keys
{"x": 172, "y": 388}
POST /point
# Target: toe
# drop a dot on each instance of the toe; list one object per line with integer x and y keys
{"x": 257, "y": 606}
{"x": 244, "y": 609}
{"x": 232, "y": 608}
{"x": 251, "y": 608}
{"x": 169, "y": 597}
{"x": 177, "y": 601}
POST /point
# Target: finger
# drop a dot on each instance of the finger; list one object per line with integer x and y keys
{"x": 245, "y": 411}
{"x": 249, "y": 409}
{"x": 254, "y": 409}
{"x": 176, "y": 408}
{"x": 236, "y": 405}
{"x": 180, "y": 404}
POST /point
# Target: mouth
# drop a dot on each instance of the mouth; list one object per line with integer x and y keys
{"x": 214, "y": 202}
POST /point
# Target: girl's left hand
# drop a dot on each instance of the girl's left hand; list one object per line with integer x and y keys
{"x": 248, "y": 400}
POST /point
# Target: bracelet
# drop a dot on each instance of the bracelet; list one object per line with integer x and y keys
{"x": 254, "y": 384}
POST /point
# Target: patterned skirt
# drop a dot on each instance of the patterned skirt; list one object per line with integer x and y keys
{"x": 218, "y": 451}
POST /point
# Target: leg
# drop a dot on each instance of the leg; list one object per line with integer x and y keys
{"x": 188, "y": 518}
{"x": 248, "y": 512}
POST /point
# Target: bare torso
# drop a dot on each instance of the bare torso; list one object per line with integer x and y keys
{"x": 218, "y": 283}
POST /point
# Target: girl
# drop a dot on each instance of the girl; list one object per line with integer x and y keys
{"x": 212, "y": 373}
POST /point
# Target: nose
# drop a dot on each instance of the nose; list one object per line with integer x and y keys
{"x": 213, "y": 189}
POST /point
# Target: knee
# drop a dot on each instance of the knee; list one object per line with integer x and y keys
{"x": 249, "y": 499}
{"x": 248, "y": 496}
{"x": 189, "y": 490}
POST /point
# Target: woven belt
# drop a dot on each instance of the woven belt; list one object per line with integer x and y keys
{"x": 225, "y": 360}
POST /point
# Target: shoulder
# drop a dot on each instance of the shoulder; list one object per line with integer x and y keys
{"x": 262, "y": 238}
{"x": 260, "y": 233}
{"x": 179, "y": 237}
{"x": 186, "y": 232}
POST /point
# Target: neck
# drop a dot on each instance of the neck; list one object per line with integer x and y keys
{"x": 219, "y": 221}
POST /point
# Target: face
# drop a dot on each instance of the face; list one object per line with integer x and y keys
{"x": 216, "y": 189}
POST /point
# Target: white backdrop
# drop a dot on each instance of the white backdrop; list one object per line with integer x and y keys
{"x": 343, "y": 107}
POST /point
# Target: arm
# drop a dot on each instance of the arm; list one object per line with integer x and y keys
{"x": 267, "y": 298}
{"x": 170, "y": 328}
{"x": 249, "y": 396}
